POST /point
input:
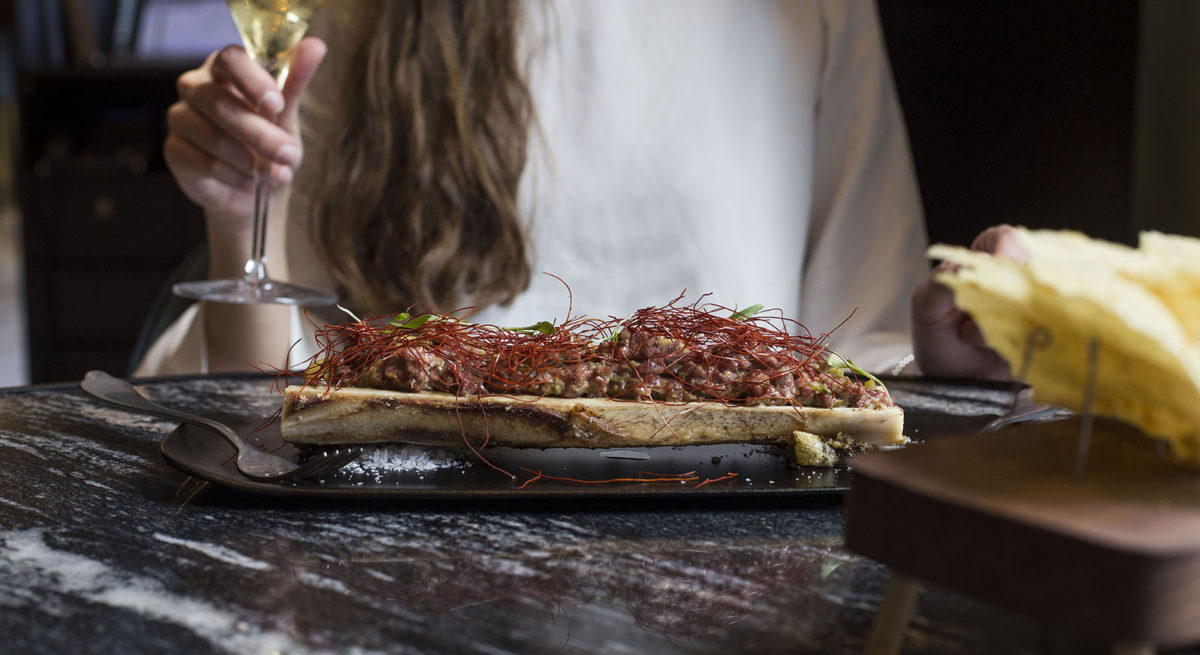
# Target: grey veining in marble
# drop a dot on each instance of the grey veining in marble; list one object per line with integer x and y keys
{"x": 104, "y": 548}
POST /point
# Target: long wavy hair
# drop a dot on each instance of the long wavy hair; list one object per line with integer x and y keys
{"x": 415, "y": 133}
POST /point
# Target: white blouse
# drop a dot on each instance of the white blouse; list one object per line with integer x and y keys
{"x": 751, "y": 150}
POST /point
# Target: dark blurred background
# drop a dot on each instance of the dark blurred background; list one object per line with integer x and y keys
{"x": 1051, "y": 113}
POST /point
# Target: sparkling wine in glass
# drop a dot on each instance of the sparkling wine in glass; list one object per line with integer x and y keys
{"x": 270, "y": 30}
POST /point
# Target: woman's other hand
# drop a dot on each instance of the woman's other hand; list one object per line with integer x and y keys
{"x": 946, "y": 341}
{"x": 229, "y": 112}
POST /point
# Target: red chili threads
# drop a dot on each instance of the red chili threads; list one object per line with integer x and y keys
{"x": 728, "y": 476}
{"x": 674, "y": 353}
{"x": 642, "y": 478}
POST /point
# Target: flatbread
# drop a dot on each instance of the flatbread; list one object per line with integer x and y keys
{"x": 1140, "y": 306}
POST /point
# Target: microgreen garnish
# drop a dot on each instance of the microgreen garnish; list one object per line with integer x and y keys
{"x": 836, "y": 361}
{"x": 406, "y": 321}
{"x": 350, "y": 314}
{"x": 743, "y": 314}
{"x": 541, "y": 327}
{"x": 615, "y": 335}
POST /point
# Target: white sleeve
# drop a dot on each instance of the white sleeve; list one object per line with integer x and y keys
{"x": 866, "y": 240}
{"x": 183, "y": 350}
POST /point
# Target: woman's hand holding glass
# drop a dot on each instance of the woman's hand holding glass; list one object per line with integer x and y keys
{"x": 231, "y": 115}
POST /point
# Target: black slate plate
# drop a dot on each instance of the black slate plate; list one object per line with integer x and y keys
{"x": 932, "y": 408}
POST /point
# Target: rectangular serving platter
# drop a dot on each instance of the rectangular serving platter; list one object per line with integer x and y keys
{"x": 932, "y": 408}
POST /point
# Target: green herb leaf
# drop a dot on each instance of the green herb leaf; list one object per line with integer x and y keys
{"x": 743, "y": 314}
{"x": 541, "y": 327}
{"x": 616, "y": 333}
{"x": 406, "y": 321}
{"x": 835, "y": 360}
{"x": 827, "y": 568}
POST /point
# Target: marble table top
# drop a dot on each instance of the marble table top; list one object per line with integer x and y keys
{"x": 106, "y": 548}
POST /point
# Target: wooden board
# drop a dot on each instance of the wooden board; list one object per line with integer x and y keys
{"x": 1114, "y": 554}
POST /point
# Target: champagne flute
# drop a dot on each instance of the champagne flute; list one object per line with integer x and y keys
{"x": 270, "y": 30}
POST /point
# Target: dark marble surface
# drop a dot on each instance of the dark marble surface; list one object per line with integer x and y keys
{"x": 106, "y": 548}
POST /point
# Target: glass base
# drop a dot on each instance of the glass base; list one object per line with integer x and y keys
{"x": 245, "y": 291}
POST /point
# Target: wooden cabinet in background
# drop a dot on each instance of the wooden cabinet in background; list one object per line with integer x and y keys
{"x": 104, "y": 223}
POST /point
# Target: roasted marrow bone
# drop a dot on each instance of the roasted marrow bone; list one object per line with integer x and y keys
{"x": 319, "y": 416}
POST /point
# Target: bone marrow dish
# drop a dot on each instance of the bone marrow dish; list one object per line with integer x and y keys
{"x": 672, "y": 375}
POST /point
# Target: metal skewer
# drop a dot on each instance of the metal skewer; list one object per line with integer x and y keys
{"x": 1039, "y": 337}
{"x": 1083, "y": 442}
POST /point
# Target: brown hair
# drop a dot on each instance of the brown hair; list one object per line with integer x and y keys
{"x": 418, "y": 144}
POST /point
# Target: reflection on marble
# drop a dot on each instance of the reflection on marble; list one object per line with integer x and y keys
{"x": 105, "y": 548}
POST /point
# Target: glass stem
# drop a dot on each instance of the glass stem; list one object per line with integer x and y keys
{"x": 256, "y": 266}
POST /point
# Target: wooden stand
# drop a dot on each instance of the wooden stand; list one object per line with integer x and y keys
{"x": 1111, "y": 554}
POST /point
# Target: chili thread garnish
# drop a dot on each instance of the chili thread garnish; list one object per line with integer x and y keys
{"x": 538, "y": 475}
{"x": 676, "y": 352}
{"x": 728, "y": 476}
{"x": 474, "y": 450}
